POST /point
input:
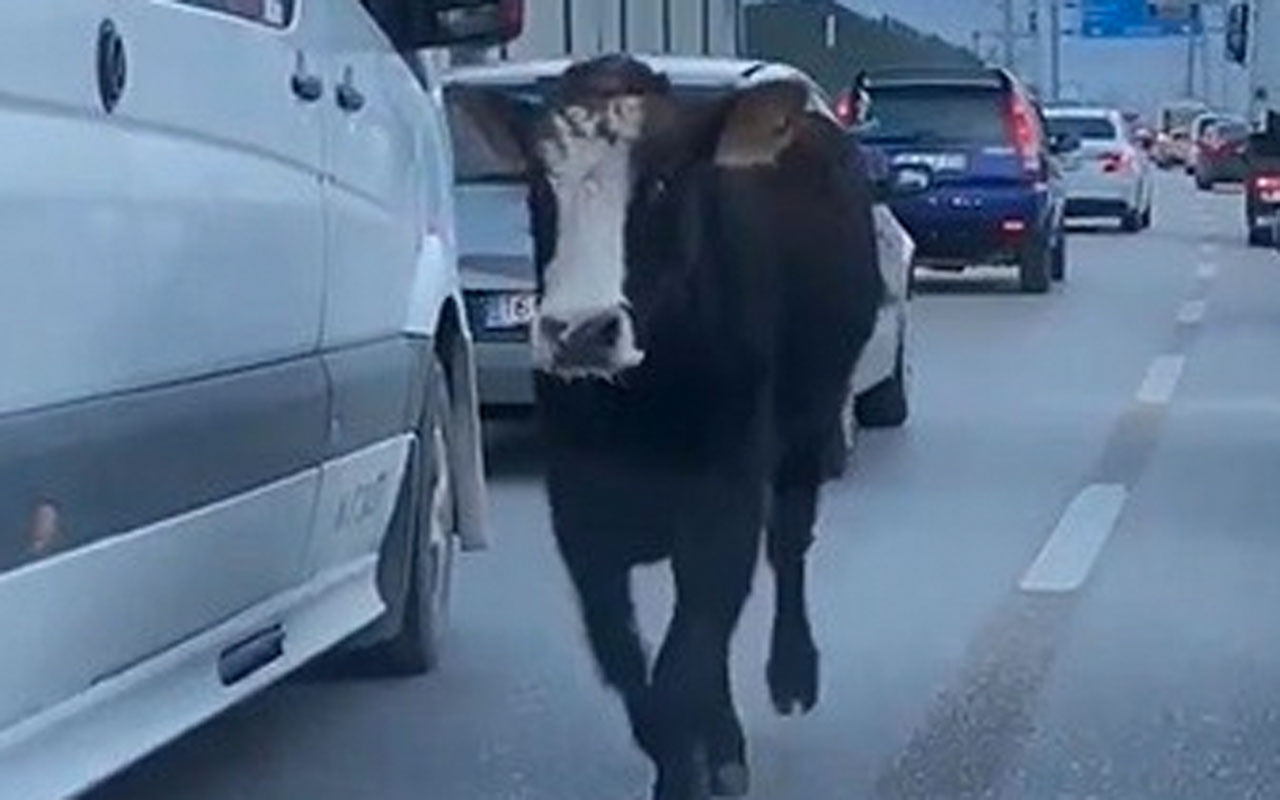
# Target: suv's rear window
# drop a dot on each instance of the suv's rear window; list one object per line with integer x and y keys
{"x": 1083, "y": 127}
{"x": 937, "y": 114}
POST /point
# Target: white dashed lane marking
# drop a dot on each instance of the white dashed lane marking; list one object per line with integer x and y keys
{"x": 1192, "y": 312}
{"x": 1068, "y": 556}
{"x": 1207, "y": 271}
{"x": 1162, "y": 380}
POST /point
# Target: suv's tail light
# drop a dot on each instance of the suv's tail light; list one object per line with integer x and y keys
{"x": 851, "y": 105}
{"x": 1269, "y": 184}
{"x": 1024, "y": 132}
{"x": 846, "y": 110}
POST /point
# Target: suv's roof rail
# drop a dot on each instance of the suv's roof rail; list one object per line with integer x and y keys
{"x": 940, "y": 76}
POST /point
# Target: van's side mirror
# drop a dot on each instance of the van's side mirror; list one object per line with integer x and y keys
{"x": 446, "y": 23}
{"x": 1238, "y": 33}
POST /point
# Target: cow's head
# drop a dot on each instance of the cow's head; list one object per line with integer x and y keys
{"x": 619, "y": 162}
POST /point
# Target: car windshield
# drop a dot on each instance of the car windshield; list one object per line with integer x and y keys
{"x": 1083, "y": 127}
{"x": 936, "y": 114}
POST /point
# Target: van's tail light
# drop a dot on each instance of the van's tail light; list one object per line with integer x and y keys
{"x": 1024, "y": 133}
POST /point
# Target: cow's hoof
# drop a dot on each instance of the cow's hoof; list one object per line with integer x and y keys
{"x": 731, "y": 780}
{"x": 793, "y": 675}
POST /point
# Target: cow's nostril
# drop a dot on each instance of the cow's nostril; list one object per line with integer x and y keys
{"x": 552, "y": 329}
{"x": 596, "y": 335}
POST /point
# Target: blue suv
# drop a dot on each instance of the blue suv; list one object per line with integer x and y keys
{"x": 997, "y": 195}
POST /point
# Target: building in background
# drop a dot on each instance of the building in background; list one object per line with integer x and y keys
{"x": 590, "y": 27}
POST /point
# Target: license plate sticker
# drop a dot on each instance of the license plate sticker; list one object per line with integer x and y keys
{"x": 938, "y": 162}
{"x": 510, "y": 310}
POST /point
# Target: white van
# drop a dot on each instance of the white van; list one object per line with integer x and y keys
{"x": 238, "y": 412}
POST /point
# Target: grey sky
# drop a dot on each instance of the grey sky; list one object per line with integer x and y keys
{"x": 954, "y": 19}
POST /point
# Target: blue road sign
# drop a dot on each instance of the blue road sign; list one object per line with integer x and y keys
{"x": 1129, "y": 19}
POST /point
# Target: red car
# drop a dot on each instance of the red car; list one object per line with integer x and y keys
{"x": 1221, "y": 154}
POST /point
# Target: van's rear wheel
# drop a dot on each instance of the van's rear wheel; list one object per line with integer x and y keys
{"x": 427, "y": 504}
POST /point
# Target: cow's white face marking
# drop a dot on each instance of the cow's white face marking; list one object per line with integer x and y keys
{"x": 588, "y": 165}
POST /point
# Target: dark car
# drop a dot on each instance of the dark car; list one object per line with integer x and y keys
{"x": 1262, "y": 188}
{"x": 997, "y": 196}
{"x": 1221, "y": 154}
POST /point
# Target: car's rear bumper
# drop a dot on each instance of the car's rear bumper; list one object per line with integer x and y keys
{"x": 960, "y": 225}
{"x": 1230, "y": 171}
{"x": 1098, "y": 206}
{"x": 1091, "y": 192}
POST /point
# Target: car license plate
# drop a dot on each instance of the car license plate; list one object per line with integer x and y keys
{"x": 506, "y": 311}
{"x": 938, "y": 162}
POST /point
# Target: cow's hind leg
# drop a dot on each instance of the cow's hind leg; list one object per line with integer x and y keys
{"x": 793, "y": 657}
{"x": 700, "y": 744}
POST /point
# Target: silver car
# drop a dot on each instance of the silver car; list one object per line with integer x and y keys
{"x": 496, "y": 249}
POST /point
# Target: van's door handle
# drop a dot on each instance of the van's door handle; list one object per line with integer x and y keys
{"x": 307, "y": 88}
{"x": 350, "y": 99}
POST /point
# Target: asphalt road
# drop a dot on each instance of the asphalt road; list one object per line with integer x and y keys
{"x": 1060, "y": 581}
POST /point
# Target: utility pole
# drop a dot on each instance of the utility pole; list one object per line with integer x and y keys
{"x": 1055, "y": 49}
{"x": 1008, "y": 34}
{"x": 1192, "y": 35}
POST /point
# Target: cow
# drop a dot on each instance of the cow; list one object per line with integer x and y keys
{"x": 707, "y": 277}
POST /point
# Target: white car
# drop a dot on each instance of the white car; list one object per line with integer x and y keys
{"x": 1109, "y": 174}
{"x": 495, "y": 248}
{"x": 238, "y": 420}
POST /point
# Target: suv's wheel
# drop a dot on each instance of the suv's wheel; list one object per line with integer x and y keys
{"x": 1259, "y": 236}
{"x": 1033, "y": 268}
{"x": 426, "y": 505}
{"x": 1147, "y": 217}
{"x": 1058, "y": 266}
{"x": 885, "y": 405}
{"x": 1131, "y": 222}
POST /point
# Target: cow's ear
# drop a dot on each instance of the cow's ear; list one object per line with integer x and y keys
{"x": 498, "y": 128}
{"x": 759, "y": 124}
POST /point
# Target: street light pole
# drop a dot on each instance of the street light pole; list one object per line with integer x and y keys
{"x": 1055, "y": 49}
{"x": 1007, "y": 32}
